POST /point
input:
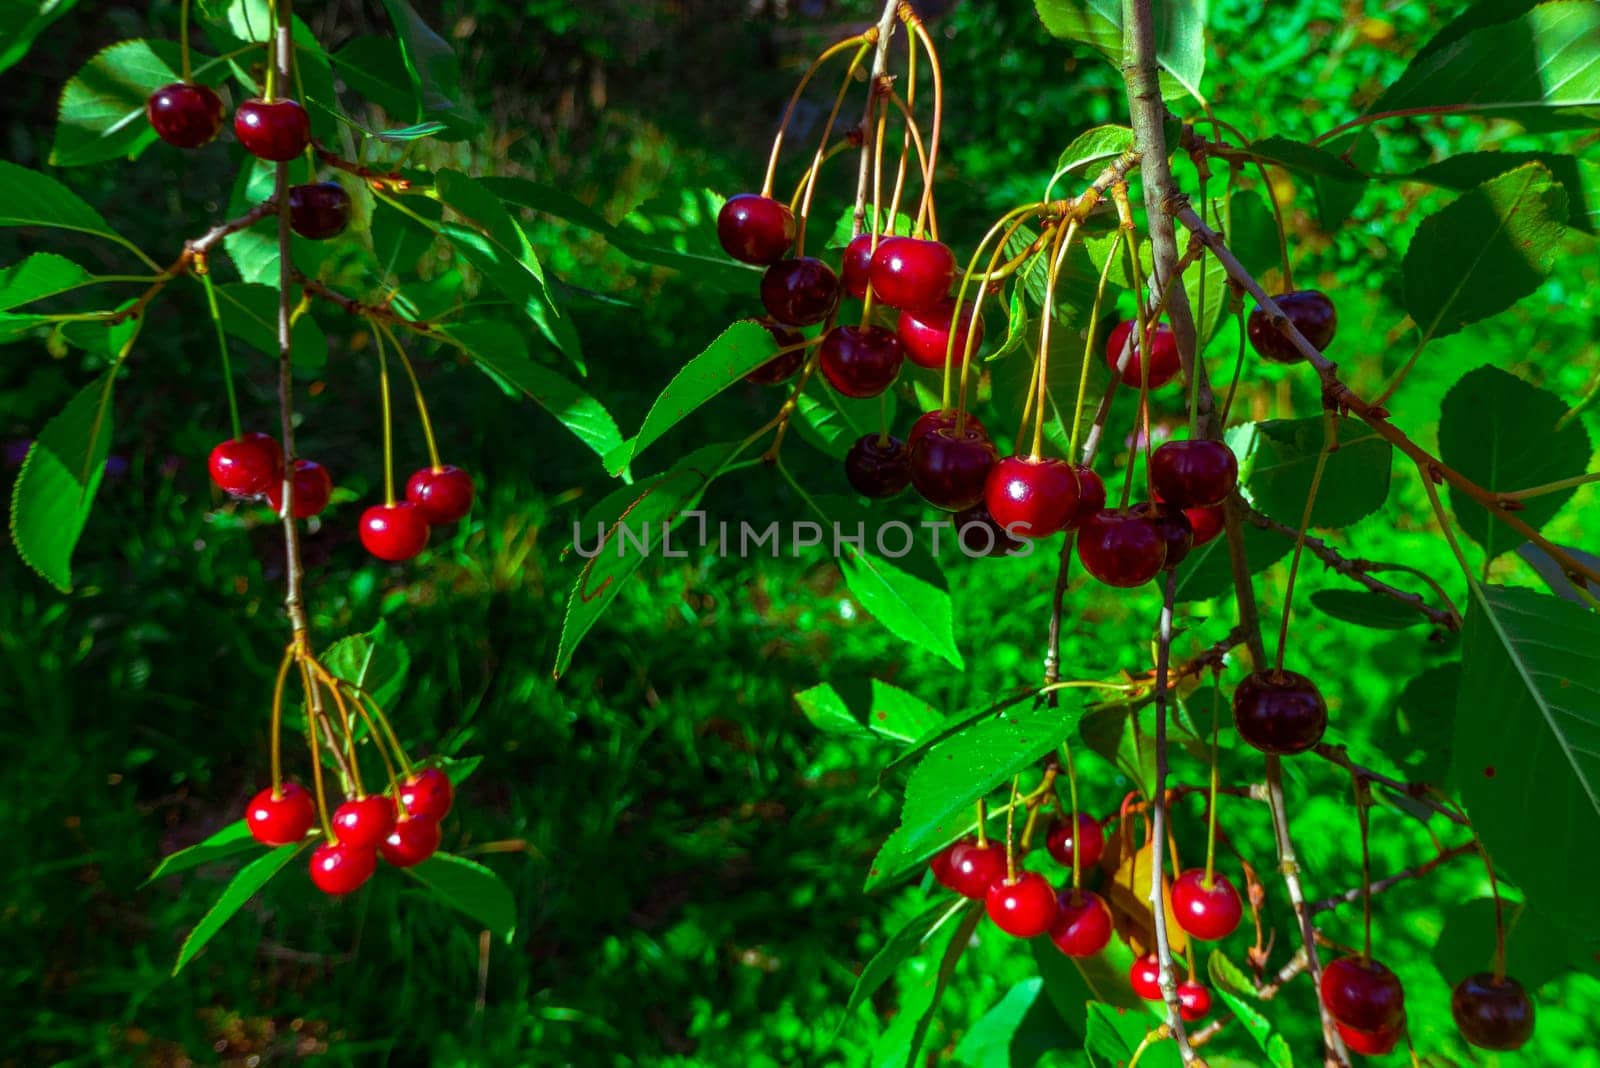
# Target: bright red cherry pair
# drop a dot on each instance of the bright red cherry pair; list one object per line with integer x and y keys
{"x": 912, "y": 274}
{"x": 1207, "y": 910}
{"x": 1164, "y": 362}
{"x": 319, "y": 210}
{"x": 1194, "y": 1000}
{"x": 434, "y": 496}
{"x": 1311, "y": 312}
{"x": 1193, "y": 474}
{"x": 276, "y": 130}
{"x": 1279, "y": 712}
{"x": 185, "y": 115}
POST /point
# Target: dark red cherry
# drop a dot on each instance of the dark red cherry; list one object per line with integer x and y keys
{"x": 877, "y": 466}
{"x": 1311, "y": 312}
{"x": 1280, "y": 712}
{"x": 1091, "y": 495}
{"x": 1195, "y": 473}
{"x": 1362, "y": 994}
{"x": 801, "y": 292}
{"x": 364, "y": 822}
{"x": 980, "y": 535}
{"x": 312, "y": 488}
{"x": 248, "y": 465}
{"x": 319, "y": 211}
{"x": 1121, "y": 548}
{"x": 755, "y": 229}
{"x": 395, "y": 531}
{"x": 340, "y": 868}
{"x": 427, "y": 794}
{"x": 1164, "y": 363}
{"x": 411, "y": 842}
{"x": 1492, "y": 1014}
{"x": 1063, "y": 843}
{"x": 857, "y": 265}
{"x": 941, "y": 419}
{"x": 940, "y": 865}
{"x": 281, "y": 818}
{"x": 1205, "y": 911}
{"x": 1206, "y": 523}
{"x": 925, "y": 334}
{"x": 1033, "y": 498}
{"x": 781, "y": 367}
{"x": 183, "y": 115}
{"x": 860, "y": 361}
{"x": 1082, "y": 925}
{"x": 975, "y": 868}
{"x": 908, "y": 272}
{"x": 1371, "y": 1043}
{"x": 276, "y": 130}
{"x": 1145, "y": 977}
{"x": 1194, "y": 1001}
{"x": 1173, "y": 525}
{"x": 1024, "y": 908}
{"x": 442, "y": 494}
{"x": 950, "y": 468}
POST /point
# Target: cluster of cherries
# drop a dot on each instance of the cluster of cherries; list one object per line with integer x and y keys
{"x": 402, "y": 828}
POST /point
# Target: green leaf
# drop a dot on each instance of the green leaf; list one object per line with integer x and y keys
{"x": 1115, "y": 1034}
{"x": 1417, "y": 739}
{"x": 41, "y": 275}
{"x": 1527, "y": 743}
{"x": 1538, "y": 951}
{"x": 1072, "y": 983}
{"x": 905, "y": 943}
{"x": 102, "y": 110}
{"x": 1236, "y": 991}
{"x": 1367, "y": 609}
{"x": 434, "y": 70}
{"x": 376, "y": 69}
{"x": 22, "y": 21}
{"x": 1282, "y": 458}
{"x": 887, "y": 711}
{"x": 1579, "y": 177}
{"x": 1016, "y": 1033}
{"x": 250, "y": 313}
{"x": 414, "y": 132}
{"x": 1500, "y": 431}
{"x": 828, "y": 712}
{"x": 1207, "y": 275}
{"x": 1095, "y": 146}
{"x": 1305, "y": 159}
{"x": 29, "y": 198}
{"x": 1179, "y": 30}
{"x": 833, "y": 422}
{"x": 1480, "y": 254}
{"x": 1012, "y": 375}
{"x": 377, "y": 662}
{"x": 1207, "y": 572}
{"x": 933, "y": 992}
{"x": 244, "y": 886}
{"x": 232, "y": 840}
{"x": 56, "y": 486}
{"x": 471, "y": 889}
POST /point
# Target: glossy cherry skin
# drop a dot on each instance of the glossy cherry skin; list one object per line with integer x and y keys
{"x": 411, "y": 842}
{"x": 878, "y": 468}
{"x": 1173, "y": 526}
{"x": 1120, "y": 548}
{"x": 801, "y": 292}
{"x": 312, "y": 488}
{"x": 1164, "y": 363}
{"x": 908, "y": 272}
{"x": 980, "y": 535}
{"x": 427, "y": 794}
{"x": 940, "y": 862}
{"x": 1364, "y": 995}
{"x": 1194, "y": 1001}
{"x": 1371, "y": 1043}
{"x": 950, "y": 469}
{"x": 278, "y": 130}
{"x": 1082, "y": 925}
{"x": 1311, "y": 312}
{"x": 319, "y": 210}
{"x": 925, "y": 334}
{"x": 442, "y": 494}
{"x": 1491, "y": 1015}
{"x": 1032, "y": 498}
{"x": 1280, "y": 712}
{"x": 1063, "y": 843}
{"x": 781, "y": 367}
{"x": 940, "y": 419}
{"x": 1145, "y": 977}
{"x": 1207, "y": 913}
{"x": 975, "y": 868}
{"x": 755, "y": 229}
{"x": 394, "y": 532}
{"x": 860, "y": 361}
{"x": 1206, "y": 523}
{"x": 856, "y": 268}
{"x": 247, "y": 466}
{"x": 1194, "y": 473}
{"x": 364, "y": 822}
{"x": 339, "y": 868}
{"x": 1024, "y": 908}
{"x": 183, "y": 115}
{"x": 1091, "y": 495}
{"x": 280, "y": 820}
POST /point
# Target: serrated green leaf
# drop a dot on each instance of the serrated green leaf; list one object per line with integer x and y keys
{"x": 244, "y": 886}
{"x": 101, "y": 115}
{"x": 28, "y": 198}
{"x": 471, "y": 889}
{"x": 250, "y": 313}
{"x": 1208, "y": 571}
{"x": 1282, "y": 458}
{"x": 1094, "y": 146}
{"x": 1179, "y": 31}
{"x": 1114, "y": 1036}
{"x": 1367, "y": 609}
{"x": 1305, "y": 159}
{"x": 376, "y": 69}
{"x": 41, "y": 275}
{"x": 21, "y": 23}
{"x": 1579, "y": 177}
{"x": 887, "y": 711}
{"x": 1235, "y": 989}
{"x": 907, "y": 942}
{"x": 828, "y": 712}
{"x": 377, "y": 662}
{"x": 232, "y": 840}
{"x": 434, "y": 70}
{"x": 55, "y": 489}
{"x": 833, "y": 422}
{"x": 1016, "y": 1032}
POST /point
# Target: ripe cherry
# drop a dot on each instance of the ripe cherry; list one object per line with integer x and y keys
{"x": 1363, "y": 994}
{"x": 1371, "y": 1043}
{"x": 1121, "y": 548}
{"x": 1164, "y": 363}
{"x": 860, "y": 361}
{"x": 1145, "y": 977}
{"x": 1492, "y": 1014}
{"x": 394, "y": 532}
{"x": 1032, "y": 497}
{"x": 183, "y": 115}
{"x": 857, "y": 265}
{"x": 980, "y": 535}
{"x": 877, "y": 466}
{"x": 781, "y": 367}
{"x": 801, "y": 292}
{"x": 949, "y": 468}
{"x": 908, "y": 272}
{"x": 941, "y": 419}
{"x": 340, "y": 868}
{"x": 1091, "y": 495}
{"x": 364, "y": 822}
{"x": 939, "y": 864}
{"x": 1082, "y": 925}
{"x": 1023, "y": 908}
{"x": 1063, "y": 843}
{"x": 427, "y": 794}
{"x": 1173, "y": 526}
{"x": 442, "y": 494}
{"x": 276, "y": 130}
{"x": 975, "y": 868}
{"x": 1206, "y": 523}
{"x": 411, "y": 842}
{"x": 312, "y": 488}
{"x": 1311, "y": 312}
{"x": 1280, "y": 712}
{"x": 925, "y": 334}
{"x": 319, "y": 210}
{"x": 1194, "y": 1001}
{"x": 755, "y": 229}
{"x": 1207, "y": 912}
{"x": 1195, "y": 473}
{"x": 248, "y": 465}
{"x": 281, "y": 818}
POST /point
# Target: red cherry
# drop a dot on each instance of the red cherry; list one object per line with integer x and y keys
{"x": 878, "y": 467}
{"x": 183, "y": 115}
{"x": 1194, "y": 474}
{"x": 1371, "y": 1043}
{"x": 980, "y": 535}
{"x": 1120, "y": 548}
{"x": 1280, "y": 712}
{"x": 1173, "y": 526}
{"x": 908, "y": 272}
{"x": 1206, "y": 523}
{"x": 950, "y": 469}
{"x": 281, "y": 818}
{"x": 1208, "y": 913}
{"x": 755, "y": 229}
{"x": 1062, "y": 842}
{"x": 1492, "y": 1013}
{"x": 1082, "y": 926}
{"x": 975, "y": 868}
{"x": 1311, "y": 312}
{"x": 395, "y": 531}
{"x": 277, "y": 130}
{"x": 860, "y": 361}
{"x": 926, "y": 334}
{"x": 857, "y": 265}
{"x": 939, "y": 864}
{"x": 801, "y": 292}
{"x": 1023, "y": 908}
{"x": 319, "y": 211}
{"x": 340, "y": 868}
{"x": 248, "y": 465}
{"x": 442, "y": 494}
{"x": 411, "y": 842}
{"x": 1164, "y": 363}
{"x": 1145, "y": 977}
{"x": 1091, "y": 495}
{"x": 364, "y": 822}
{"x": 941, "y": 419}
{"x": 312, "y": 488}
{"x": 427, "y": 794}
{"x": 1033, "y": 498}
{"x": 781, "y": 367}
{"x": 1194, "y": 1001}
{"x": 1363, "y": 994}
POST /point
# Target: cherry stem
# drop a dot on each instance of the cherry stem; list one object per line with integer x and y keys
{"x": 926, "y": 211}
{"x": 222, "y": 347}
{"x": 277, "y": 63}
{"x": 1088, "y": 345}
{"x": 277, "y": 720}
{"x": 882, "y": 87}
{"x": 183, "y": 38}
{"x": 1499, "y": 916}
{"x": 1330, "y": 441}
{"x": 1552, "y": 487}
{"x": 416, "y": 391}
{"x": 983, "y": 836}
{"x": 316, "y": 755}
{"x": 1272, "y": 197}
{"x": 1363, "y": 801}
{"x": 1058, "y": 255}
{"x": 1216, "y": 782}
{"x": 794, "y": 99}
{"x": 816, "y": 161}
{"x": 1238, "y": 369}
{"x": 1012, "y": 219}
{"x": 1146, "y": 323}
{"x": 321, "y": 677}
{"x": 1011, "y": 811}
{"x": 1072, "y": 795}
{"x": 870, "y": 167}
{"x": 388, "y": 421}
{"x": 883, "y": 418}
{"x": 377, "y": 740}
{"x": 1444, "y": 525}
{"x": 1403, "y": 113}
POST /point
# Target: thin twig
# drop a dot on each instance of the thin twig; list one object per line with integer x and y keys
{"x": 1416, "y": 871}
{"x": 1415, "y": 791}
{"x": 880, "y": 67}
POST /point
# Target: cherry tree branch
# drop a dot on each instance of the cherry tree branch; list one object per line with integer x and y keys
{"x": 880, "y": 67}
{"x": 1416, "y": 871}
{"x": 1417, "y": 792}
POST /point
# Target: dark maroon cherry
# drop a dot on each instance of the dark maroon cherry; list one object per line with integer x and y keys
{"x": 941, "y": 419}
{"x": 1091, "y": 495}
{"x": 283, "y": 817}
{"x": 320, "y": 210}
{"x": 411, "y": 842}
{"x": 755, "y": 229}
{"x": 908, "y": 272}
{"x": 1194, "y": 473}
{"x": 1362, "y": 994}
{"x": 340, "y": 868}
{"x": 183, "y": 115}
{"x": 248, "y": 465}
{"x": 1082, "y": 926}
{"x": 1371, "y": 1043}
{"x": 1032, "y": 498}
{"x": 975, "y": 868}
{"x": 394, "y": 532}
{"x": 926, "y": 334}
{"x": 860, "y": 361}
{"x": 1280, "y": 712}
{"x": 857, "y": 265}
{"x": 1492, "y": 1014}
{"x": 981, "y": 536}
{"x": 1174, "y": 528}
{"x": 781, "y": 367}
{"x": 949, "y": 468}
{"x": 801, "y": 292}
{"x": 1311, "y": 312}
{"x": 442, "y": 494}
{"x": 878, "y": 466}
{"x": 427, "y": 794}
{"x": 1121, "y": 548}
{"x": 312, "y": 488}
{"x": 1063, "y": 843}
{"x": 1024, "y": 907}
{"x": 1194, "y": 1001}
{"x": 1207, "y": 911}
{"x": 1145, "y": 977}
{"x": 1164, "y": 363}
{"x": 364, "y": 822}
{"x": 276, "y": 130}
